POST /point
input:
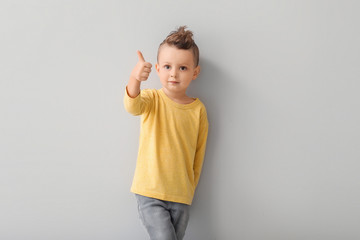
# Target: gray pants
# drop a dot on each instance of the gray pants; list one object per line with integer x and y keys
{"x": 163, "y": 220}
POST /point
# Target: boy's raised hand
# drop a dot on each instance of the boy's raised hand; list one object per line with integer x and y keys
{"x": 142, "y": 69}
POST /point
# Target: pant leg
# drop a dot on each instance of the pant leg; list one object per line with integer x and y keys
{"x": 180, "y": 217}
{"x": 156, "y": 218}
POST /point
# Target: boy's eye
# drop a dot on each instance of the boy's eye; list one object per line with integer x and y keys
{"x": 167, "y": 67}
{"x": 183, "y": 68}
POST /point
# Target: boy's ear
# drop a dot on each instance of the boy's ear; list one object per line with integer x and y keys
{"x": 196, "y": 72}
{"x": 157, "y": 67}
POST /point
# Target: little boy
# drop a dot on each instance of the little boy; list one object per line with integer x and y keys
{"x": 174, "y": 129}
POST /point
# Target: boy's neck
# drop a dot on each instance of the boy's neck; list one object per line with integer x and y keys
{"x": 180, "y": 97}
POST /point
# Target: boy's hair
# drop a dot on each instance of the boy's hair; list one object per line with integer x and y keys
{"x": 182, "y": 39}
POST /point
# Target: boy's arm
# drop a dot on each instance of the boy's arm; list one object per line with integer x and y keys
{"x": 134, "y": 102}
{"x": 140, "y": 73}
{"x": 201, "y": 146}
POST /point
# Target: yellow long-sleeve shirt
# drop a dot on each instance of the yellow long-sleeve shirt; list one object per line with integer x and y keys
{"x": 171, "y": 147}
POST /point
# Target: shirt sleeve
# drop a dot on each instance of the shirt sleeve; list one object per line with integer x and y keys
{"x": 201, "y": 146}
{"x": 138, "y": 105}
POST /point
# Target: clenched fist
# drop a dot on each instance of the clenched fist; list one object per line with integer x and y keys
{"x": 142, "y": 69}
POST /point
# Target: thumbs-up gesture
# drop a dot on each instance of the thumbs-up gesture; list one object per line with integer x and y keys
{"x": 142, "y": 69}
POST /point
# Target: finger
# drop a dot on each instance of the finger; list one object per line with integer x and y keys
{"x": 147, "y": 70}
{"x": 148, "y": 65}
{"x": 142, "y": 77}
{"x": 140, "y": 56}
{"x": 145, "y": 75}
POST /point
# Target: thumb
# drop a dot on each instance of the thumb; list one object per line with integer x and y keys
{"x": 141, "y": 58}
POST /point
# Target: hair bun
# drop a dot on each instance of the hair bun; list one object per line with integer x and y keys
{"x": 181, "y": 38}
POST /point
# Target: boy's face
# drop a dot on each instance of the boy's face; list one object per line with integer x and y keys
{"x": 176, "y": 69}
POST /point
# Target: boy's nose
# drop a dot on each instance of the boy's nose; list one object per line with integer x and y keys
{"x": 173, "y": 73}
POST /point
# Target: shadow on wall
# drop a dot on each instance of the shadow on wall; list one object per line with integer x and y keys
{"x": 212, "y": 87}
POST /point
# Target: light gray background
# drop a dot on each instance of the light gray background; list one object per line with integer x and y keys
{"x": 280, "y": 80}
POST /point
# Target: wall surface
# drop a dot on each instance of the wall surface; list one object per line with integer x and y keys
{"x": 280, "y": 80}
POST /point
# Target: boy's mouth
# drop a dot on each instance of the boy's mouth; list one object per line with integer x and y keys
{"x": 173, "y": 82}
